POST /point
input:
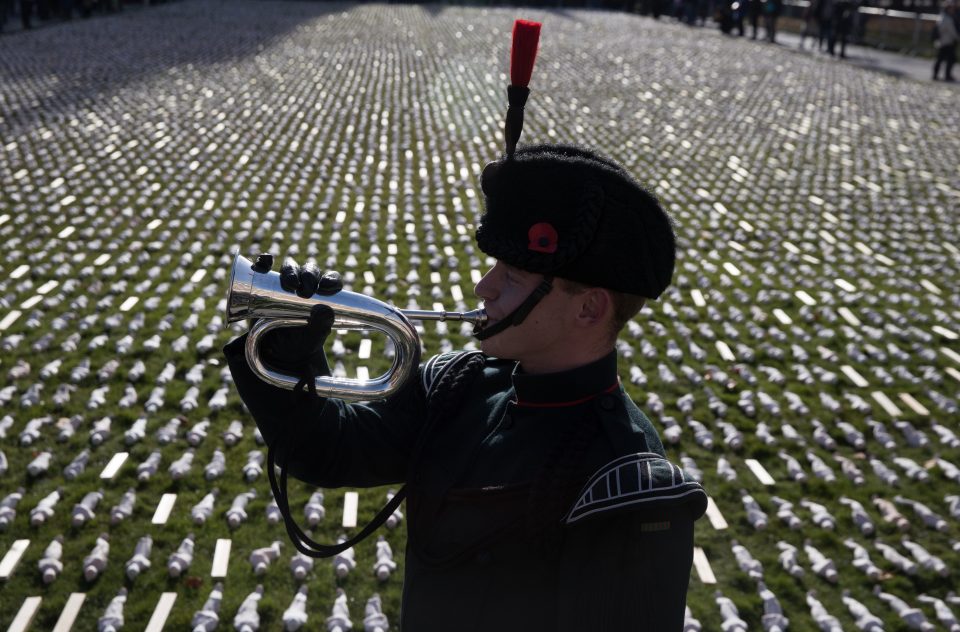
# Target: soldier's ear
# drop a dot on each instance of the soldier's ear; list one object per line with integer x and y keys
{"x": 596, "y": 307}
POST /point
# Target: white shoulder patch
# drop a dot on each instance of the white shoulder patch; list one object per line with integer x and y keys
{"x": 635, "y": 482}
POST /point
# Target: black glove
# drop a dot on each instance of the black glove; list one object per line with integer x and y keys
{"x": 308, "y": 279}
{"x": 295, "y": 350}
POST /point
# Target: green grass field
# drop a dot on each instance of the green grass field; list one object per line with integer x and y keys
{"x": 139, "y": 151}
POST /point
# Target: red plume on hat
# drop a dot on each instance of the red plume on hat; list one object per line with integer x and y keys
{"x": 526, "y": 36}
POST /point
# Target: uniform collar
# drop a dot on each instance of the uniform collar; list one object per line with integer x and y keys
{"x": 567, "y": 388}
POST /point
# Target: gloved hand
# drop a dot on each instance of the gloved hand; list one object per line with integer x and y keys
{"x": 293, "y": 350}
{"x": 308, "y": 279}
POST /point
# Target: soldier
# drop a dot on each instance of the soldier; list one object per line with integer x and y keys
{"x": 536, "y": 487}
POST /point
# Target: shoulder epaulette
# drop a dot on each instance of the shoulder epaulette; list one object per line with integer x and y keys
{"x": 639, "y": 481}
{"x": 437, "y": 366}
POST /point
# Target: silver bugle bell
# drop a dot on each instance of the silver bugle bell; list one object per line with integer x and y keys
{"x": 255, "y": 294}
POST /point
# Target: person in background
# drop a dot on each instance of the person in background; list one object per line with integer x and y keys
{"x": 840, "y": 27}
{"x": 810, "y": 21}
{"x": 771, "y": 12}
{"x": 945, "y": 41}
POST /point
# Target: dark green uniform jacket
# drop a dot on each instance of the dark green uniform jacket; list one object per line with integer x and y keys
{"x": 535, "y": 502}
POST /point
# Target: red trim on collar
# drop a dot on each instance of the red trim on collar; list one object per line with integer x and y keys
{"x": 574, "y": 402}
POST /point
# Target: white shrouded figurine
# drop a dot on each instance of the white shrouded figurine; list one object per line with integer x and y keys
{"x": 141, "y": 557}
{"x": 394, "y": 520}
{"x": 384, "y": 565}
{"x": 300, "y": 566}
{"x": 216, "y": 467}
{"x": 890, "y": 513}
{"x": 944, "y": 613}
{"x": 747, "y": 563}
{"x": 731, "y": 616}
{"x": 208, "y": 617}
{"x": 373, "y": 618}
{"x": 732, "y": 437}
{"x": 953, "y": 506}
{"x": 789, "y": 559}
{"x": 850, "y": 470}
{"x": 149, "y": 467}
{"x": 96, "y": 562}
{"x": 345, "y": 561}
{"x": 253, "y": 468}
{"x": 824, "y": 620}
{"x": 819, "y": 515}
{"x": 261, "y": 558}
{"x": 295, "y": 616}
{"x": 112, "y": 619}
{"x": 247, "y": 618}
{"x": 690, "y": 624}
{"x": 951, "y": 471}
{"x": 314, "y": 510}
{"x": 913, "y": 617}
{"x": 725, "y": 470}
{"x": 755, "y": 515}
{"x": 100, "y": 431}
{"x": 123, "y": 509}
{"x": 929, "y": 517}
{"x": 85, "y": 510}
{"x": 901, "y": 562}
{"x": 925, "y": 559}
{"x": 50, "y": 564}
{"x": 862, "y": 561}
{"x": 237, "y": 514}
{"x": 136, "y": 432}
{"x": 339, "y": 619}
{"x": 181, "y": 559}
{"x": 8, "y": 507}
{"x": 884, "y": 473}
{"x": 913, "y": 469}
{"x": 785, "y": 512}
{"x": 865, "y": 620}
{"x": 820, "y": 563}
{"x": 198, "y": 432}
{"x": 773, "y": 619}
{"x": 202, "y": 511}
{"x": 44, "y": 509}
{"x": 181, "y": 467}
{"x": 820, "y": 469}
{"x": 273, "y": 511}
{"x": 233, "y": 433}
{"x": 167, "y": 433}
{"x": 40, "y": 464}
{"x": 794, "y": 469}
{"x": 861, "y": 518}
{"x": 76, "y": 467}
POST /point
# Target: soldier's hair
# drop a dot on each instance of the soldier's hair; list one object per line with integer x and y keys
{"x": 625, "y": 306}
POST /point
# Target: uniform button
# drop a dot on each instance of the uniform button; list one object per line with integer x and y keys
{"x": 607, "y": 403}
{"x": 507, "y": 422}
{"x": 484, "y": 557}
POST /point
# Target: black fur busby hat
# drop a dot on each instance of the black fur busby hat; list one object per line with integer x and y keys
{"x": 568, "y": 212}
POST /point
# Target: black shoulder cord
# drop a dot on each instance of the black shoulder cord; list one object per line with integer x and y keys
{"x": 304, "y": 389}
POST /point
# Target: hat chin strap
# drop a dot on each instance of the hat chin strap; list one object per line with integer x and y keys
{"x": 518, "y": 315}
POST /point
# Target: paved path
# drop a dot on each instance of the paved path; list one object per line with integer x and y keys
{"x": 896, "y": 64}
{"x": 892, "y": 63}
